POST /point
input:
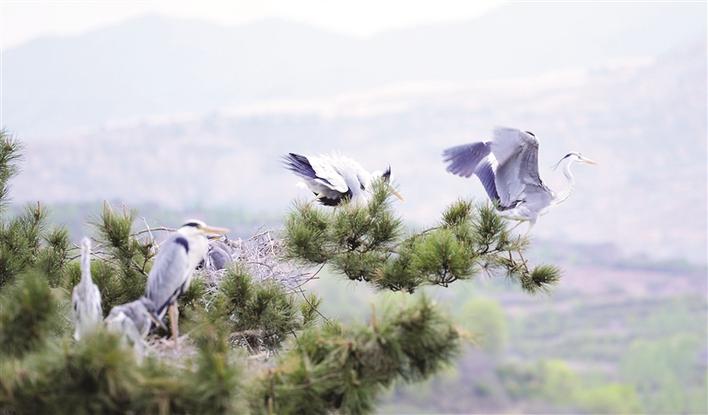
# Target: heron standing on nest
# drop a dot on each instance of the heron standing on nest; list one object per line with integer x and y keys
{"x": 507, "y": 166}
{"x": 174, "y": 265}
{"x": 86, "y": 298}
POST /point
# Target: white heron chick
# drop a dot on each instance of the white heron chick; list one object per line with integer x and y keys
{"x": 86, "y": 298}
{"x": 334, "y": 179}
{"x": 507, "y": 166}
{"x": 174, "y": 265}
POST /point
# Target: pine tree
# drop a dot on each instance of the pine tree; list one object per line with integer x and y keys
{"x": 256, "y": 345}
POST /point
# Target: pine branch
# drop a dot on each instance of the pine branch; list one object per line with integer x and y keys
{"x": 333, "y": 369}
{"x": 366, "y": 244}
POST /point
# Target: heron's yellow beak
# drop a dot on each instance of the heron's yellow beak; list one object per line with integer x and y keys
{"x": 213, "y": 230}
{"x": 398, "y": 195}
{"x": 588, "y": 161}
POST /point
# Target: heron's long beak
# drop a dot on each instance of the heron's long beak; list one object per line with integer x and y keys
{"x": 588, "y": 161}
{"x": 213, "y": 230}
{"x": 398, "y": 195}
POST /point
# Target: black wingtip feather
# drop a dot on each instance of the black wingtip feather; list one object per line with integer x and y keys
{"x": 299, "y": 165}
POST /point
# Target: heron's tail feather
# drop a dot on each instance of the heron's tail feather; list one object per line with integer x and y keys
{"x": 463, "y": 160}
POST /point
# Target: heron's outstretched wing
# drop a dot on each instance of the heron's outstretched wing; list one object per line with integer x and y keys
{"x": 475, "y": 158}
{"x": 517, "y": 154}
{"x": 321, "y": 176}
{"x": 316, "y": 169}
{"x": 486, "y": 175}
{"x": 463, "y": 160}
{"x": 169, "y": 273}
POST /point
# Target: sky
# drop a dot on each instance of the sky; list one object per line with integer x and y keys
{"x": 24, "y": 20}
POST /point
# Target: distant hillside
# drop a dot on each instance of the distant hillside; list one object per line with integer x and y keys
{"x": 645, "y": 125}
{"x": 160, "y": 66}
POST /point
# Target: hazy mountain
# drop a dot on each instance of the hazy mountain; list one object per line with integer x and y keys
{"x": 161, "y": 66}
{"x": 645, "y": 124}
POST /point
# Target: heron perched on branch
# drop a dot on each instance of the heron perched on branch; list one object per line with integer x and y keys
{"x": 507, "y": 166}
{"x": 133, "y": 321}
{"x": 334, "y": 179}
{"x": 86, "y": 298}
{"x": 174, "y": 265}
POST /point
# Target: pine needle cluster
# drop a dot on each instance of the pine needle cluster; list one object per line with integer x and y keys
{"x": 260, "y": 315}
{"x": 366, "y": 243}
{"x": 343, "y": 369}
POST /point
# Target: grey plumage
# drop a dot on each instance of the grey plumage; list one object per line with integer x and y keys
{"x": 168, "y": 276}
{"x": 133, "y": 321}
{"x": 463, "y": 159}
{"x": 85, "y": 297}
{"x": 507, "y": 166}
{"x": 174, "y": 265}
{"x": 335, "y": 179}
{"x": 219, "y": 256}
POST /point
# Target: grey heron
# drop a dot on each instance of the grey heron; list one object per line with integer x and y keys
{"x": 133, "y": 321}
{"x": 174, "y": 265}
{"x": 86, "y": 298}
{"x": 218, "y": 256}
{"x": 334, "y": 178}
{"x": 507, "y": 166}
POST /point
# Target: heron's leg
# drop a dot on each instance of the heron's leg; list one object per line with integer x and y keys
{"x": 174, "y": 316}
{"x": 531, "y": 225}
{"x": 518, "y": 222}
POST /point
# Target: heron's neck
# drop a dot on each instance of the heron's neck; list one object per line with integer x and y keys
{"x": 565, "y": 194}
{"x": 85, "y": 266}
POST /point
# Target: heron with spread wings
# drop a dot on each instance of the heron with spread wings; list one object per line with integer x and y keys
{"x": 507, "y": 166}
{"x": 335, "y": 179}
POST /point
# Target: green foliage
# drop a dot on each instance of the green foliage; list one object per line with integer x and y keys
{"x": 24, "y": 244}
{"x": 53, "y": 259}
{"x": 344, "y": 369}
{"x": 365, "y": 244}
{"x": 24, "y": 241}
{"x": 10, "y": 154}
{"x": 486, "y": 321}
{"x": 666, "y": 375}
{"x": 99, "y": 375}
{"x": 553, "y": 382}
{"x": 260, "y": 315}
{"x": 29, "y": 313}
{"x": 95, "y": 376}
{"x": 126, "y": 260}
{"x": 307, "y": 233}
{"x": 216, "y": 387}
